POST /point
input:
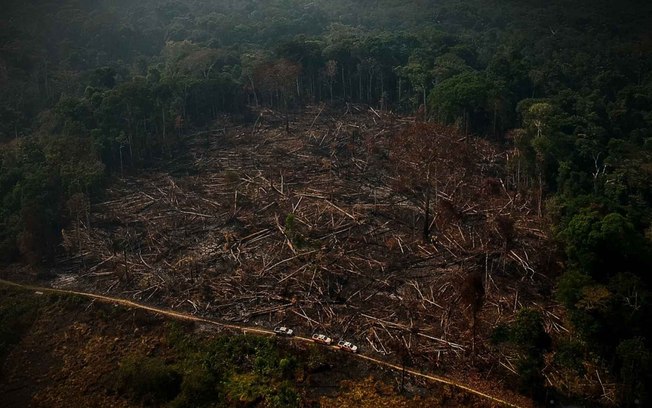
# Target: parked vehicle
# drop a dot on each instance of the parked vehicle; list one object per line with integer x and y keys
{"x": 347, "y": 346}
{"x": 322, "y": 339}
{"x": 284, "y": 331}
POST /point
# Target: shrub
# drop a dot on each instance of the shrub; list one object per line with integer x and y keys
{"x": 148, "y": 379}
{"x": 527, "y": 332}
{"x": 287, "y": 366}
{"x": 570, "y": 355}
{"x": 286, "y": 397}
{"x": 199, "y": 387}
{"x": 500, "y": 334}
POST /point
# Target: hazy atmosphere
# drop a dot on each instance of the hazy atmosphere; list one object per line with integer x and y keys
{"x": 294, "y": 203}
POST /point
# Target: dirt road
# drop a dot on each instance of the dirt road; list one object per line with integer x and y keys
{"x": 253, "y": 330}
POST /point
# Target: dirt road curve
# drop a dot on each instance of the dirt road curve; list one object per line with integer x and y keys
{"x": 251, "y": 330}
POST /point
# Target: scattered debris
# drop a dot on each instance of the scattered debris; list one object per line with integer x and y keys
{"x": 315, "y": 229}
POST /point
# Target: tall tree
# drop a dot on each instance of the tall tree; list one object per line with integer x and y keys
{"x": 417, "y": 154}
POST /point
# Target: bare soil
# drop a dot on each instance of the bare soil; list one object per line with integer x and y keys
{"x": 313, "y": 229}
{"x": 70, "y": 354}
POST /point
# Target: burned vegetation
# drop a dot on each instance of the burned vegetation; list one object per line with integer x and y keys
{"x": 408, "y": 238}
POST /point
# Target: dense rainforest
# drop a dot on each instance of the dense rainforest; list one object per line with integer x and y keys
{"x": 91, "y": 90}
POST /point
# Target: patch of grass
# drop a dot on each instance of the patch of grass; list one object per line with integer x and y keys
{"x": 148, "y": 380}
{"x": 285, "y": 396}
{"x": 223, "y": 371}
{"x": 66, "y": 302}
{"x": 245, "y": 389}
{"x": 177, "y": 338}
{"x": 317, "y": 360}
{"x": 232, "y": 371}
{"x": 200, "y": 387}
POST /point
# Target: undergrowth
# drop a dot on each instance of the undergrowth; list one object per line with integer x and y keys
{"x": 222, "y": 372}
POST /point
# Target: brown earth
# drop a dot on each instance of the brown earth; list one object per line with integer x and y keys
{"x": 70, "y": 353}
{"x": 316, "y": 229}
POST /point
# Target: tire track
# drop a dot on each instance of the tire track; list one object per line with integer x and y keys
{"x": 253, "y": 330}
